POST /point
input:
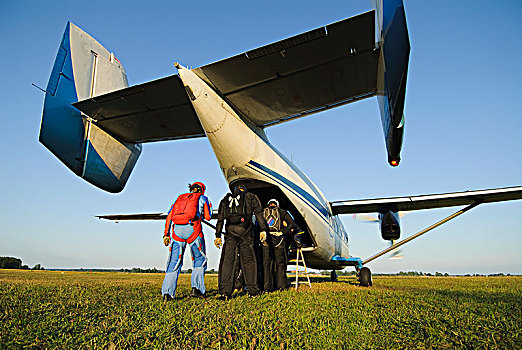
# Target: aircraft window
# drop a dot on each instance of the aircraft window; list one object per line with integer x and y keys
{"x": 338, "y": 227}
{"x": 342, "y": 231}
{"x": 345, "y": 236}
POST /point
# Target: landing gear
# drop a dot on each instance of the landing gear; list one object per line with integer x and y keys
{"x": 333, "y": 276}
{"x": 365, "y": 277}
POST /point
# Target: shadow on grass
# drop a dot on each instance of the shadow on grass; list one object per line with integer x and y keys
{"x": 341, "y": 280}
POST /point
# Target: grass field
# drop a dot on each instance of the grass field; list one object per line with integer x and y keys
{"x": 73, "y": 310}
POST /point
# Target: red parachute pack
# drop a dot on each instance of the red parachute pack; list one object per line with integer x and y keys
{"x": 185, "y": 208}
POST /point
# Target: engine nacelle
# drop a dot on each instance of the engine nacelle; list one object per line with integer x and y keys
{"x": 389, "y": 224}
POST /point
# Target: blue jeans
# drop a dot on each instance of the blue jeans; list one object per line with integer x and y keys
{"x": 175, "y": 262}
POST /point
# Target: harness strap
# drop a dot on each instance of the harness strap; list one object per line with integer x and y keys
{"x": 176, "y": 238}
{"x": 197, "y": 233}
{"x": 278, "y": 244}
{"x": 233, "y": 201}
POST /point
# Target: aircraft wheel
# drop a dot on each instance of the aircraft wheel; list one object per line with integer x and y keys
{"x": 333, "y": 276}
{"x": 365, "y": 277}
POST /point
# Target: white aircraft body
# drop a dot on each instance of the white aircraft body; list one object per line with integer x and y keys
{"x": 94, "y": 123}
{"x": 252, "y": 159}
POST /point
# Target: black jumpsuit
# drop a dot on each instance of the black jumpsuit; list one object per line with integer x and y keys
{"x": 275, "y": 255}
{"x": 241, "y": 236}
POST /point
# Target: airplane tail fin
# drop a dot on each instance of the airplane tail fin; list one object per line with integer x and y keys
{"x": 84, "y": 68}
{"x": 391, "y": 34}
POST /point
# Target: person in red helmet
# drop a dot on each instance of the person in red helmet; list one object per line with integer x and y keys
{"x": 184, "y": 226}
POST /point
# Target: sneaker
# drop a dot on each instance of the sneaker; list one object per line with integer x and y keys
{"x": 196, "y": 293}
{"x": 224, "y": 297}
{"x": 167, "y": 298}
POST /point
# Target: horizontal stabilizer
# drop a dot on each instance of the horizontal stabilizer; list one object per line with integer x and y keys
{"x": 304, "y": 74}
{"x": 153, "y": 111}
{"x": 432, "y": 201}
{"x": 307, "y": 73}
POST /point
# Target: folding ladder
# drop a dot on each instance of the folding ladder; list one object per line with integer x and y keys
{"x": 300, "y": 273}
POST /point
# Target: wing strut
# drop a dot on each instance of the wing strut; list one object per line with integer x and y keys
{"x": 420, "y": 233}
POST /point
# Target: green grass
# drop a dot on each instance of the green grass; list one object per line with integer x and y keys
{"x": 48, "y": 309}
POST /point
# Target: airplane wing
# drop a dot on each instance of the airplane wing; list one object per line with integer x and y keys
{"x": 431, "y": 201}
{"x": 144, "y": 216}
{"x": 304, "y": 74}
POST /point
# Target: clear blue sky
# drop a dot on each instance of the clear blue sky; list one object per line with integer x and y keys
{"x": 463, "y": 129}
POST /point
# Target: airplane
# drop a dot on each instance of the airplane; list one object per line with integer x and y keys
{"x": 96, "y": 124}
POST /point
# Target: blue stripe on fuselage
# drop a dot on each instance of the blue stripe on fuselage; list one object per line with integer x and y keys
{"x": 293, "y": 167}
{"x": 318, "y": 207}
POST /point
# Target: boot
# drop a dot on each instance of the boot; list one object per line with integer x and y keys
{"x": 224, "y": 297}
{"x": 196, "y": 293}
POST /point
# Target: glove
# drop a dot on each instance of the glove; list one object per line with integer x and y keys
{"x": 218, "y": 242}
{"x": 297, "y": 239}
{"x": 262, "y": 236}
{"x": 166, "y": 240}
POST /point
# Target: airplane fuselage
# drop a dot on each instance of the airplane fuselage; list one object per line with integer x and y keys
{"x": 245, "y": 154}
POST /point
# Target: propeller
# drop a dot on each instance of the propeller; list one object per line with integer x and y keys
{"x": 372, "y": 218}
{"x": 369, "y": 218}
{"x": 397, "y": 254}
{"x": 365, "y": 218}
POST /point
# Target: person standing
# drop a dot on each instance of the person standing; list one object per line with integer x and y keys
{"x": 275, "y": 258}
{"x": 238, "y": 209}
{"x": 184, "y": 225}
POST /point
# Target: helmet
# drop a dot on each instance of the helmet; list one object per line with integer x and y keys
{"x": 273, "y": 201}
{"x": 200, "y": 186}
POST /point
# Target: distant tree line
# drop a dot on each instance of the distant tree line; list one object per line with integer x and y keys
{"x": 8, "y": 262}
{"x": 420, "y": 273}
{"x": 140, "y": 270}
{"x": 440, "y": 274}
{"x": 412, "y": 273}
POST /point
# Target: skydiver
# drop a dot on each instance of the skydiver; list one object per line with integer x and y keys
{"x": 184, "y": 218}
{"x": 238, "y": 208}
{"x": 281, "y": 224}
